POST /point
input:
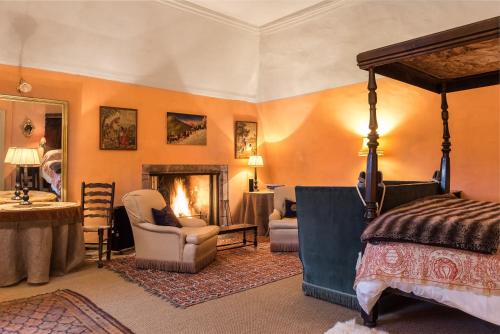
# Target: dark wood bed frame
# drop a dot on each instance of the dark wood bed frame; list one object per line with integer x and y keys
{"x": 449, "y": 61}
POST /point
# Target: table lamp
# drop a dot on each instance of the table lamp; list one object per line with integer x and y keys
{"x": 8, "y": 159}
{"x": 22, "y": 157}
{"x": 255, "y": 161}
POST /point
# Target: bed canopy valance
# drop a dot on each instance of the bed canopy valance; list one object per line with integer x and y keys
{"x": 453, "y": 60}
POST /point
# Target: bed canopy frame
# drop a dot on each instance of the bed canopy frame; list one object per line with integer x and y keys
{"x": 449, "y": 61}
{"x": 458, "y": 59}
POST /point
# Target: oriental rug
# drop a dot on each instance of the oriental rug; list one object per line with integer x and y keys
{"x": 61, "y": 311}
{"x": 232, "y": 271}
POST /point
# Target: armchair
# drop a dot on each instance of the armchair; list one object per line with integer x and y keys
{"x": 283, "y": 232}
{"x": 186, "y": 249}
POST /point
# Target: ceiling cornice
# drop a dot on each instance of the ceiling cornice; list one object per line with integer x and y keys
{"x": 210, "y": 14}
{"x": 271, "y": 27}
{"x": 130, "y": 79}
{"x": 300, "y": 16}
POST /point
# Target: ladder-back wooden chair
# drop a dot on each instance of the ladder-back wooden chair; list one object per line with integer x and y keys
{"x": 97, "y": 205}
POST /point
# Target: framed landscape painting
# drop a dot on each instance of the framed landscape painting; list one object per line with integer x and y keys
{"x": 245, "y": 139}
{"x": 186, "y": 129}
{"x": 117, "y": 128}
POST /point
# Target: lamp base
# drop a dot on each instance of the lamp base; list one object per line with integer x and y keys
{"x": 255, "y": 185}
{"x": 26, "y": 197}
{"x": 17, "y": 193}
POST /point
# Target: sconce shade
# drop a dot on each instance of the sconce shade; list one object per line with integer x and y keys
{"x": 364, "y": 149}
{"x": 255, "y": 161}
{"x": 22, "y": 156}
{"x": 24, "y": 86}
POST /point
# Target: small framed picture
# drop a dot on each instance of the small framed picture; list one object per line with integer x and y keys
{"x": 186, "y": 129}
{"x": 245, "y": 139}
{"x": 117, "y": 128}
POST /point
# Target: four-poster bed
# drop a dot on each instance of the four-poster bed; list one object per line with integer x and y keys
{"x": 453, "y": 60}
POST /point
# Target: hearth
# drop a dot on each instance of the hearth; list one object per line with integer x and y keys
{"x": 191, "y": 190}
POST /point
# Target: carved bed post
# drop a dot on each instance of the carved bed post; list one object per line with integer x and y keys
{"x": 445, "y": 147}
{"x": 371, "y": 182}
{"x": 372, "y": 162}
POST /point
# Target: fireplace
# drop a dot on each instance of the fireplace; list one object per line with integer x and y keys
{"x": 191, "y": 190}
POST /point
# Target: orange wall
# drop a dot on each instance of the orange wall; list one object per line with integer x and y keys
{"x": 87, "y": 162}
{"x": 314, "y": 139}
{"x": 308, "y": 140}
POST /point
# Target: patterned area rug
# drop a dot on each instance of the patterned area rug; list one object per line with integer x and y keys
{"x": 232, "y": 271}
{"x": 61, "y": 311}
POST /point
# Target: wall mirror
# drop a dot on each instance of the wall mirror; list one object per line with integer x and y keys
{"x": 47, "y": 138}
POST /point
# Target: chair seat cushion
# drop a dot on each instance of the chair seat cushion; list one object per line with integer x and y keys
{"x": 286, "y": 223}
{"x": 192, "y": 222}
{"x": 197, "y": 235}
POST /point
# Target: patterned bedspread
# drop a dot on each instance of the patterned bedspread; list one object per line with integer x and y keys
{"x": 430, "y": 265}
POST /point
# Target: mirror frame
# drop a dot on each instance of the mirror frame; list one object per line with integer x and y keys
{"x": 64, "y": 133}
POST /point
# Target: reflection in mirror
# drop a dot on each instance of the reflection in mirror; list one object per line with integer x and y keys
{"x": 34, "y": 132}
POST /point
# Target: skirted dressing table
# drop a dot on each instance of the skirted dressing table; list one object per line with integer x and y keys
{"x": 39, "y": 240}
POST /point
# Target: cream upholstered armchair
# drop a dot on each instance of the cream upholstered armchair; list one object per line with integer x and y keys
{"x": 283, "y": 232}
{"x": 186, "y": 249}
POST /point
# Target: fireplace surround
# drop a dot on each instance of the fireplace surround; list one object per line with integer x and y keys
{"x": 191, "y": 190}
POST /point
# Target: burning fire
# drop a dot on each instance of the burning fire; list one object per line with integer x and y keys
{"x": 180, "y": 202}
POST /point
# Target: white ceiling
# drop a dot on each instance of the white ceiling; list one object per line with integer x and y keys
{"x": 256, "y": 12}
{"x": 187, "y": 48}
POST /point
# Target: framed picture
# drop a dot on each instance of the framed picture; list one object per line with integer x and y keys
{"x": 117, "y": 128}
{"x": 245, "y": 139}
{"x": 186, "y": 129}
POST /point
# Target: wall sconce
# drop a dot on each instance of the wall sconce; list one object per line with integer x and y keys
{"x": 28, "y": 127}
{"x": 364, "y": 148}
{"x": 24, "y": 87}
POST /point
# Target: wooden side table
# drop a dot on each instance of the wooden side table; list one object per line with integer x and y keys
{"x": 256, "y": 208}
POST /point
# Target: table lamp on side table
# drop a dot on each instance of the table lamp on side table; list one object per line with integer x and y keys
{"x": 22, "y": 157}
{"x": 8, "y": 159}
{"x": 255, "y": 161}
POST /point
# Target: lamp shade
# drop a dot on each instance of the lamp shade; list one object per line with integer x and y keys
{"x": 255, "y": 161}
{"x": 364, "y": 148}
{"x": 9, "y": 155}
{"x": 22, "y": 156}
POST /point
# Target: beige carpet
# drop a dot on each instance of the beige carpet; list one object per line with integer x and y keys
{"x": 278, "y": 307}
